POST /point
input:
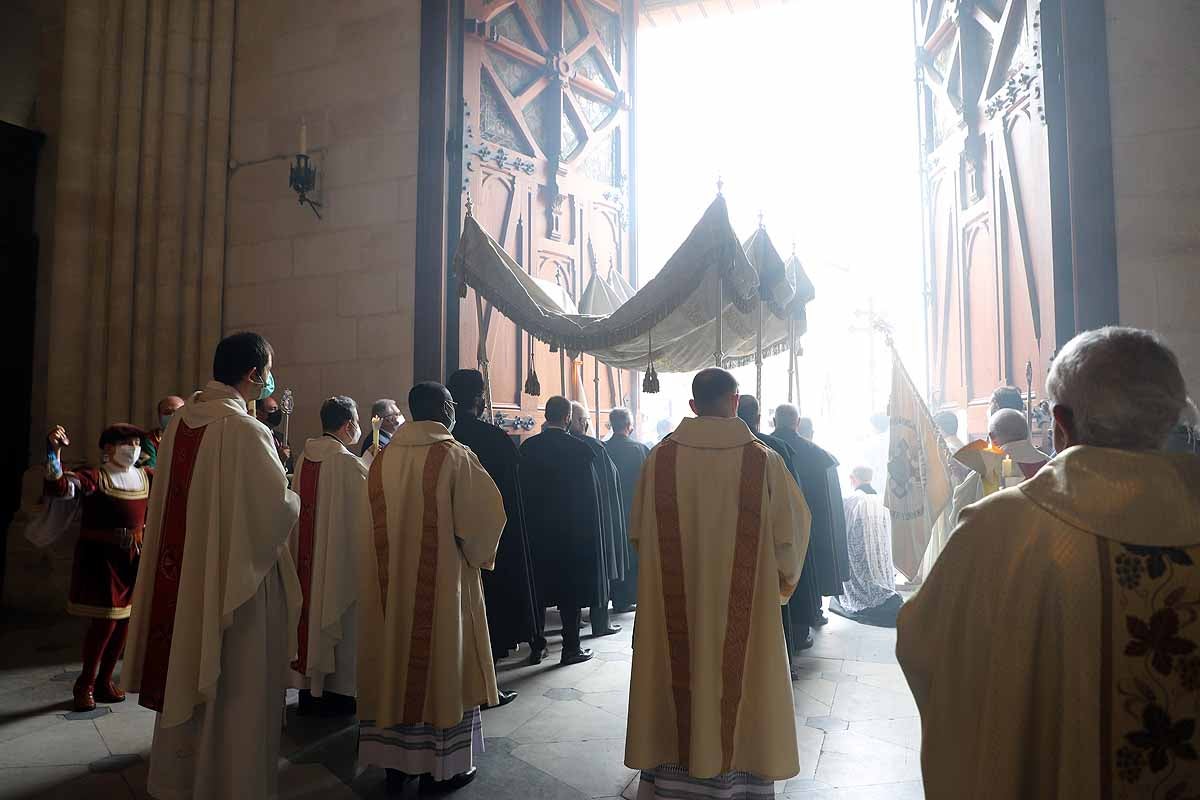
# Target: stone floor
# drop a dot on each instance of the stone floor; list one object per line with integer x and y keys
{"x": 563, "y": 738}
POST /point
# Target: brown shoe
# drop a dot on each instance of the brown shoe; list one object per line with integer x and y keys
{"x": 85, "y": 698}
{"x": 108, "y": 692}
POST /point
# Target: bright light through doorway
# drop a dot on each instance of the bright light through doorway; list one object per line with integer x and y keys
{"x": 807, "y": 111}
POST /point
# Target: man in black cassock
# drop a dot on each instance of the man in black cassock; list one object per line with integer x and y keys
{"x": 800, "y": 614}
{"x": 818, "y": 474}
{"x": 562, "y": 515}
{"x": 628, "y": 455}
{"x": 612, "y": 520}
{"x": 509, "y": 592}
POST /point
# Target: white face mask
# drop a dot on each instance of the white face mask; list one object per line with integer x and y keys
{"x": 126, "y": 455}
{"x": 354, "y": 434}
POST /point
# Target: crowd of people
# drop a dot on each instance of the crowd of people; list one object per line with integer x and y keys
{"x": 386, "y": 574}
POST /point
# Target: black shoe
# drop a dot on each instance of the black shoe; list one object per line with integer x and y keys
{"x": 624, "y": 609}
{"x": 308, "y": 705}
{"x": 505, "y": 699}
{"x": 398, "y": 782}
{"x": 577, "y": 657}
{"x": 536, "y": 655}
{"x": 821, "y": 619}
{"x": 338, "y": 705}
{"x": 460, "y": 780}
{"x": 805, "y": 643}
{"x": 609, "y": 631}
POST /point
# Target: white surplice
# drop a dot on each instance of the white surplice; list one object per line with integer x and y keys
{"x": 869, "y": 541}
{"x": 340, "y": 522}
{"x": 238, "y": 604}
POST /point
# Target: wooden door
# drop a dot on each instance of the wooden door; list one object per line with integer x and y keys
{"x": 546, "y": 165}
{"x": 990, "y": 280}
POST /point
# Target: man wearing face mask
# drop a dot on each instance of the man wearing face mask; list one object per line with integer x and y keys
{"x": 113, "y": 498}
{"x": 166, "y": 409}
{"x": 268, "y": 412}
{"x": 332, "y": 482}
{"x": 390, "y": 419}
{"x": 216, "y": 611}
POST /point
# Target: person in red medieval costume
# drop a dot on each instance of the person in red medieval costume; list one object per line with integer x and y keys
{"x": 113, "y": 498}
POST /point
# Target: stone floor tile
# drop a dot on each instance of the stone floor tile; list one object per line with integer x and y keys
{"x": 631, "y": 788}
{"x": 570, "y": 721}
{"x": 562, "y": 694}
{"x": 311, "y": 782}
{"x": 905, "y": 732}
{"x": 549, "y": 675}
{"x": 69, "y": 743}
{"x": 97, "y": 786}
{"x": 808, "y": 742}
{"x": 14, "y": 725}
{"x": 611, "y": 676}
{"x": 118, "y": 763}
{"x": 127, "y": 733}
{"x": 615, "y": 702}
{"x": 594, "y": 767}
{"x": 851, "y": 759}
{"x": 827, "y": 724}
{"x": 506, "y": 719}
{"x": 95, "y": 713}
{"x": 802, "y": 785}
{"x": 808, "y": 706}
{"x": 889, "y": 682}
{"x": 33, "y": 781}
{"x": 818, "y": 664}
{"x": 909, "y": 790}
{"x": 868, "y": 668}
{"x": 820, "y": 689}
{"x": 503, "y": 776}
{"x": 857, "y": 701}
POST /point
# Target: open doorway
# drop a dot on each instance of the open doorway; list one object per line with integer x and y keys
{"x": 817, "y": 133}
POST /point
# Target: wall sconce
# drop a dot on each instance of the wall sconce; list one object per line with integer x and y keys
{"x": 302, "y": 178}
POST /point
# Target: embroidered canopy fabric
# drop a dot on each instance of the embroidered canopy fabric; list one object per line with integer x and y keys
{"x": 673, "y": 319}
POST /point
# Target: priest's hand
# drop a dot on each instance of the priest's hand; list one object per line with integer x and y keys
{"x": 57, "y": 439}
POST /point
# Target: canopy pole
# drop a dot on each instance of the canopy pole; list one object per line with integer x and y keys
{"x": 758, "y": 358}
{"x": 481, "y": 357}
{"x": 791, "y": 358}
{"x": 596, "y": 391}
{"x": 562, "y": 371}
{"x": 719, "y": 354}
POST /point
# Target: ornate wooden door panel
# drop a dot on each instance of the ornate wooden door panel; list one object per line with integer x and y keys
{"x": 546, "y": 155}
{"x": 990, "y": 264}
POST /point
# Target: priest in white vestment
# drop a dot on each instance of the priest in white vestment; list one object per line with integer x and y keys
{"x": 425, "y": 657}
{"x": 1054, "y": 651}
{"x": 332, "y": 483}
{"x": 870, "y": 596}
{"x": 1008, "y": 430}
{"x": 721, "y": 530}
{"x": 217, "y": 600}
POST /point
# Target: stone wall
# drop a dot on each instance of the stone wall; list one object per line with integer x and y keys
{"x": 333, "y": 295}
{"x": 1154, "y": 71}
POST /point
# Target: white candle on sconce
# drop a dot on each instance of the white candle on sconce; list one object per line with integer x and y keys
{"x": 303, "y": 138}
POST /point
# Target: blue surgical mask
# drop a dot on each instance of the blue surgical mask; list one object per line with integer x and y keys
{"x": 164, "y": 420}
{"x": 268, "y": 388}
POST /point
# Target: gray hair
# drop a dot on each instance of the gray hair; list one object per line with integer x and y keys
{"x": 620, "y": 419}
{"x": 1122, "y": 386}
{"x": 1008, "y": 425}
{"x": 787, "y": 416}
{"x": 863, "y": 474}
{"x": 380, "y": 407}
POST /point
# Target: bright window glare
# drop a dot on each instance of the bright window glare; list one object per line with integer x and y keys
{"x": 807, "y": 111}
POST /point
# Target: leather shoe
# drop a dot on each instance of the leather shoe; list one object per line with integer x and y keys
{"x": 451, "y": 784}
{"x": 505, "y": 699}
{"x": 805, "y": 643}
{"x": 536, "y": 655}
{"x": 107, "y": 692}
{"x": 609, "y": 631}
{"x": 577, "y": 657}
{"x": 821, "y": 619}
{"x": 85, "y": 698}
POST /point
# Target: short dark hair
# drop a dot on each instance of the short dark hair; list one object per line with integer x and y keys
{"x": 427, "y": 401}
{"x": 379, "y": 407}
{"x": 558, "y": 410}
{"x": 466, "y": 386}
{"x": 1008, "y": 397}
{"x": 239, "y": 353}
{"x": 748, "y": 411}
{"x": 336, "y": 412}
{"x": 947, "y": 422}
{"x": 711, "y": 386}
{"x": 120, "y": 432}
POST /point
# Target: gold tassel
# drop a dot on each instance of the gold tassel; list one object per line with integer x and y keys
{"x": 650, "y": 384}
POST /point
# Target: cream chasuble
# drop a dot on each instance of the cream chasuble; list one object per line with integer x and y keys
{"x": 334, "y": 518}
{"x": 721, "y": 530}
{"x": 436, "y": 518}
{"x": 1055, "y": 649}
{"x": 219, "y": 518}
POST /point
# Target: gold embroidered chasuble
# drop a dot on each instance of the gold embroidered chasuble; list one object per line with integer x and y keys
{"x": 436, "y": 517}
{"x": 721, "y": 529}
{"x": 1054, "y": 650}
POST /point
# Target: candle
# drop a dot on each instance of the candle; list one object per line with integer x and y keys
{"x": 375, "y": 423}
{"x": 303, "y": 138}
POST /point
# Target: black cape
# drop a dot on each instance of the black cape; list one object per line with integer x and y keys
{"x": 817, "y": 471}
{"x": 800, "y": 612}
{"x": 628, "y": 455}
{"x": 508, "y": 590}
{"x": 562, "y": 516}
{"x": 612, "y": 515}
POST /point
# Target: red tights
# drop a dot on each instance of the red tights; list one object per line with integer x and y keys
{"x": 102, "y": 648}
